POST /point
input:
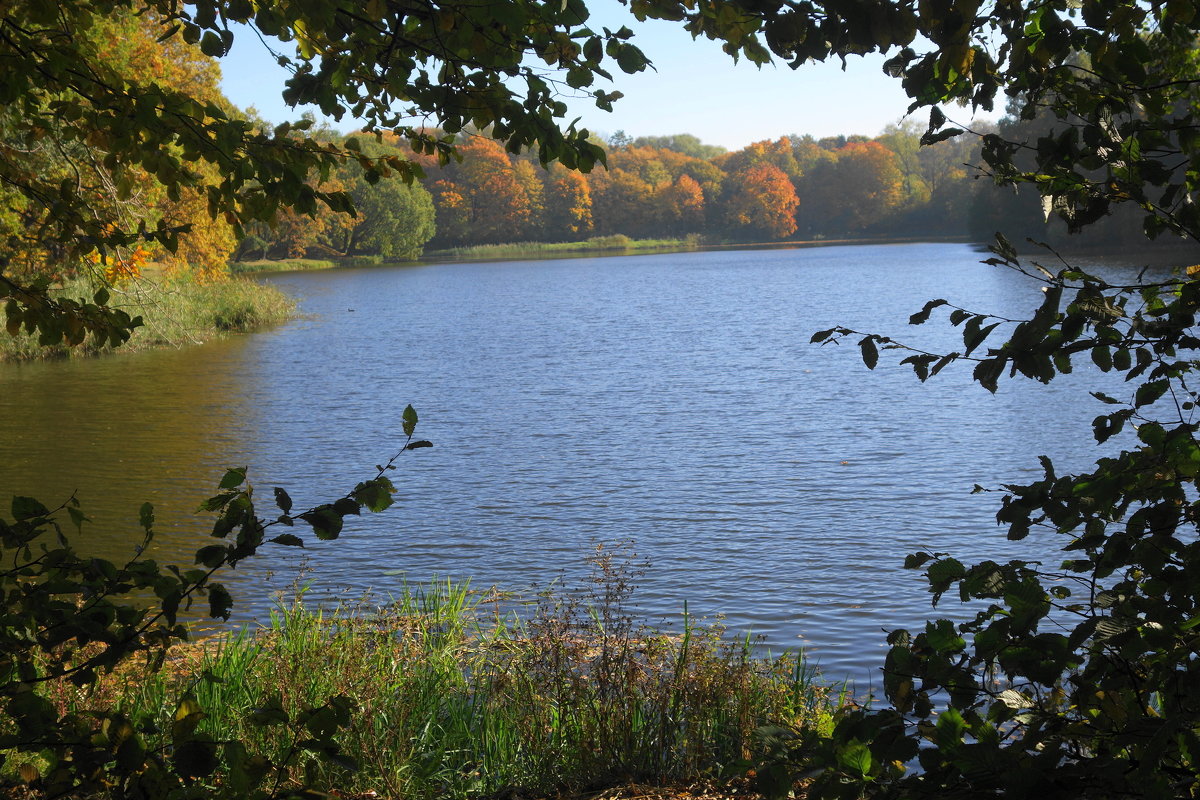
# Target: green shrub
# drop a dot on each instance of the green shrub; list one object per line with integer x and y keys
{"x": 1080, "y": 677}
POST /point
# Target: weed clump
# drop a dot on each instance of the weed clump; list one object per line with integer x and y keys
{"x": 453, "y": 696}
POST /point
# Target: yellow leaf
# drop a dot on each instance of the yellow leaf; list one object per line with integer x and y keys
{"x": 187, "y": 707}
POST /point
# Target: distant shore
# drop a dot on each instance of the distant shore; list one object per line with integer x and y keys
{"x": 614, "y": 245}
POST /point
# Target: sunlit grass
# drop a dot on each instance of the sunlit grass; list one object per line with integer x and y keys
{"x": 617, "y": 243}
{"x": 176, "y": 312}
{"x": 281, "y": 265}
{"x": 454, "y": 698}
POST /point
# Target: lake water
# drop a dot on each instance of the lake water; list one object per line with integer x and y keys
{"x": 672, "y": 400}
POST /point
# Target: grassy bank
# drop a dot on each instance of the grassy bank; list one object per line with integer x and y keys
{"x": 176, "y": 313}
{"x": 305, "y": 264}
{"x": 607, "y": 245}
{"x": 618, "y": 243}
{"x": 451, "y": 699}
{"x": 280, "y": 265}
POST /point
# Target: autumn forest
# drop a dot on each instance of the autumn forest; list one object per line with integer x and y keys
{"x": 667, "y": 187}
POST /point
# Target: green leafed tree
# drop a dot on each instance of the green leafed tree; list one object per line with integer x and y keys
{"x": 1077, "y": 677}
{"x": 395, "y": 220}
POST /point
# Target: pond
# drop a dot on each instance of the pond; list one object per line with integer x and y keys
{"x": 673, "y": 401}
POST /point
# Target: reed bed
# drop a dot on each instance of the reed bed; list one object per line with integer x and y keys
{"x": 454, "y": 697}
{"x": 607, "y": 245}
{"x": 176, "y": 311}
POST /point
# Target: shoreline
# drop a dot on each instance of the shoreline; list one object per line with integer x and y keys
{"x": 184, "y": 313}
{"x": 600, "y": 247}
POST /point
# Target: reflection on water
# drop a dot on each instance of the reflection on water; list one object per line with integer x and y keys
{"x": 669, "y": 399}
{"x": 120, "y": 431}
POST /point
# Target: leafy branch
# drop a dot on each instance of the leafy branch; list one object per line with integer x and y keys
{"x": 66, "y": 617}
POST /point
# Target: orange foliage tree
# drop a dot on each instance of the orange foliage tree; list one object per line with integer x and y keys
{"x": 127, "y": 47}
{"x": 480, "y": 200}
{"x": 529, "y": 178}
{"x": 852, "y": 190}
{"x": 778, "y": 153}
{"x": 682, "y": 205}
{"x": 624, "y": 202}
{"x": 760, "y": 202}
{"x": 869, "y": 173}
{"x": 568, "y": 205}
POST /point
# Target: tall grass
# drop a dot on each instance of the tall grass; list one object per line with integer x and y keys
{"x": 454, "y": 698}
{"x": 281, "y": 265}
{"x": 176, "y": 312}
{"x": 616, "y": 243}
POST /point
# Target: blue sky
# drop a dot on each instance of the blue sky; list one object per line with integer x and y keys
{"x": 695, "y": 89}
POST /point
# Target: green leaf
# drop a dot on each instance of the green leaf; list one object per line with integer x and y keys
{"x": 975, "y": 335}
{"x": 196, "y": 758}
{"x": 944, "y": 572}
{"x": 283, "y": 500}
{"x": 950, "y": 728}
{"x": 188, "y": 714}
{"x": 220, "y": 602}
{"x": 212, "y": 555}
{"x": 870, "y": 353}
{"x": 347, "y": 506}
{"x": 409, "y": 420}
{"x": 326, "y": 523}
{"x": 217, "y": 502}
{"x": 288, "y": 540}
{"x": 233, "y": 478}
{"x": 212, "y": 45}
{"x": 988, "y": 372}
{"x": 630, "y": 59}
{"x": 269, "y": 713}
{"x": 24, "y": 508}
{"x": 921, "y": 316}
{"x": 943, "y": 638}
{"x": 77, "y": 517}
{"x": 331, "y": 753}
{"x": 375, "y": 495}
{"x": 146, "y": 516}
{"x": 1148, "y": 393}
{"x": 131, "y": 753}
{"x": 821, "y": 336}
{"x": 855, "y": 756}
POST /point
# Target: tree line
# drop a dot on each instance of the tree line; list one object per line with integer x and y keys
{"x": 791, "y": 188}
{"x": 794, "y": 187}
{"x": 653, "y": 187}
